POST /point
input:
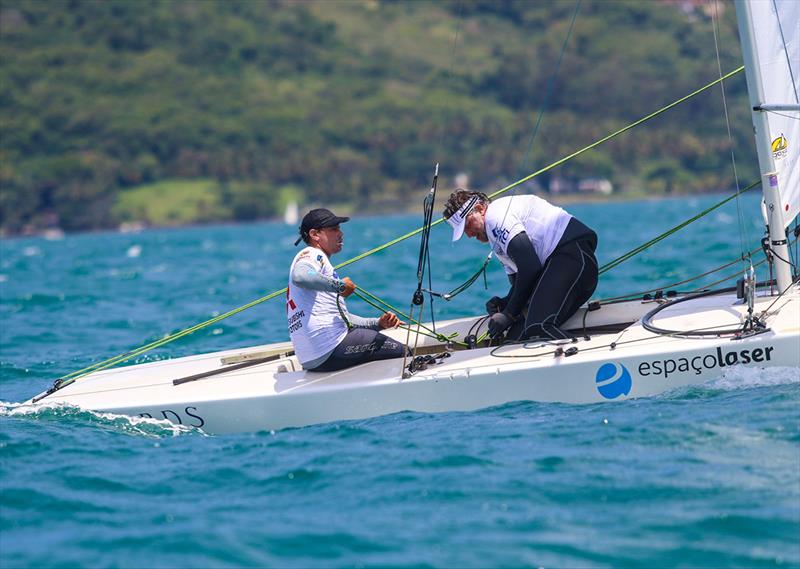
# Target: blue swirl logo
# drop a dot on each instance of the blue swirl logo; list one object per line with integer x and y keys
{"x": 613, "y": 380}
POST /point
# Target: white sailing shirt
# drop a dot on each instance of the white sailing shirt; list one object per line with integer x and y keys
{"x": 543, "y": 222}
{"x": 315, "y": 325}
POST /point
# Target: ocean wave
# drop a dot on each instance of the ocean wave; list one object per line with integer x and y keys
{"x": 742, "y": 377}
{"x": 736, "y": 378}
{"x": 138, "y": 426}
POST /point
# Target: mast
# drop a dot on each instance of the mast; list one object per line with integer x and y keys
{"x": 770, "y": 182}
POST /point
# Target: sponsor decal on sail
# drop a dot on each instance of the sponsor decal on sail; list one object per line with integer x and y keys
{"x": 780, "y": 147}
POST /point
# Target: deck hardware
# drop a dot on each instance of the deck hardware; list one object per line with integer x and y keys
{"x": 420, "y": 363}
{"x": 218, "y": 371}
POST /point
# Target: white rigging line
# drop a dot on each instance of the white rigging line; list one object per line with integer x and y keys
{"x": 742, "y": 227}
{"x": 790, "y": 117}
{"x": 547, "y": 95}
{"x": 786, "y": 51}
{"x": 783, "y": 107}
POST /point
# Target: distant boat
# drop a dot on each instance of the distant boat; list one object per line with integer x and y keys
{"x": 131, "y": 227}
{"x": 292, "y": 215}
{"x": 53, "y": 234}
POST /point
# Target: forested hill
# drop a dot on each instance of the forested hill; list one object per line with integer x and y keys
{"x": 198, "y": 110}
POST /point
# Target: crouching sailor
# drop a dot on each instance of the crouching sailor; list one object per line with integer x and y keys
{"x": 326, "y": 337}
{"x": 547, "y": 254}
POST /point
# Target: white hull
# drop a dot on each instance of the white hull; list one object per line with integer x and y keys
{"x": 272, "y": 396}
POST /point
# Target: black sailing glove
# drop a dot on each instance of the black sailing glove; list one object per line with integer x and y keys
{"x": 495, "y": 304}
{"x": 499, "y": 323}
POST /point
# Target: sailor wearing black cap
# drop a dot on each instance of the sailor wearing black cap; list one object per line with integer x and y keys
{"x": 325, "y": 335}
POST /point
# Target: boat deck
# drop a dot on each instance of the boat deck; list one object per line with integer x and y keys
{"x": 278, "y": 393}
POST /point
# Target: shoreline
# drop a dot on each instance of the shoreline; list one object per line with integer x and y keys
{"x": 57, "y": 233}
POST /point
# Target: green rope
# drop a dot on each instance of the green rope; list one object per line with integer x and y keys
{"x": 105, "y": 364}
{"x": 556, "y": 163}
{"x": 729, "y": 277}
{"x": 617, "y": 133}
{"x": 470, "y": 281}
{"x": 673, "y": 285}
{"x": 622, "y": 258}
{"x": 737, "y": 273}
{"x": 371, "y": 299}
{"x": 375, "y": 302}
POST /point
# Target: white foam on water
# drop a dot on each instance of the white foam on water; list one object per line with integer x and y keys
{"x": 724, "y": 218}
{"x": 145, "y": 426}
{"x": 743, "y": 377}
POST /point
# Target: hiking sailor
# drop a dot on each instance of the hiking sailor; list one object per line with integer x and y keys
{"x": 547, "y": 254}
{"x": 326, "y": 337}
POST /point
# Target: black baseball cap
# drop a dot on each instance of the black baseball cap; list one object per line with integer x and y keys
{"x": 318, "y": 219}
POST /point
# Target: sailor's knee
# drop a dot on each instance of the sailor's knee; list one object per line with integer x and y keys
{"x": 547, "y": 330}
{"x": 534, "y": 330}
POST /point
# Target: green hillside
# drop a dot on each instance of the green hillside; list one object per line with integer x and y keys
{"x": 175, "y": 112}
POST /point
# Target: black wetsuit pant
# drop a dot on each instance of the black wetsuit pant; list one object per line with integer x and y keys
{"x": 568, "y": 279}
{"x": 361, "y": 345}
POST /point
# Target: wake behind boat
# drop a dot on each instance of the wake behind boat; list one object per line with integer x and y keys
{"x": 621, "y": 350}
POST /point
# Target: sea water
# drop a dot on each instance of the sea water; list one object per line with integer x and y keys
{"x": 707, "y": 476}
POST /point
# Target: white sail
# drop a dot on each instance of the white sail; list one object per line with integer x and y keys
{"x": 776, "y": 27}
{"x": 292, "y": 214}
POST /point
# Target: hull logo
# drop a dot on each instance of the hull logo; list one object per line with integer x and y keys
{"x": 613, "y": 380}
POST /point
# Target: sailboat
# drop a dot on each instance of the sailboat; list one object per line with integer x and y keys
{"x": 621, "y": 350}
{"x": 291, "y": 214}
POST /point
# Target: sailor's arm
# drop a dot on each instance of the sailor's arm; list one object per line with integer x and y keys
{"x": 361, "y": 322}
{"x": 498, "y": 304}
{"x": 305, "y": 275}
{"x": 521, "y": 251}
{"x": 387, "y": 320}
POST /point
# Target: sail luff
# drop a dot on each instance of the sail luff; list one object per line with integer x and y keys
{"x": 772, "y": 81}
{"x": 770, "y": 37}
